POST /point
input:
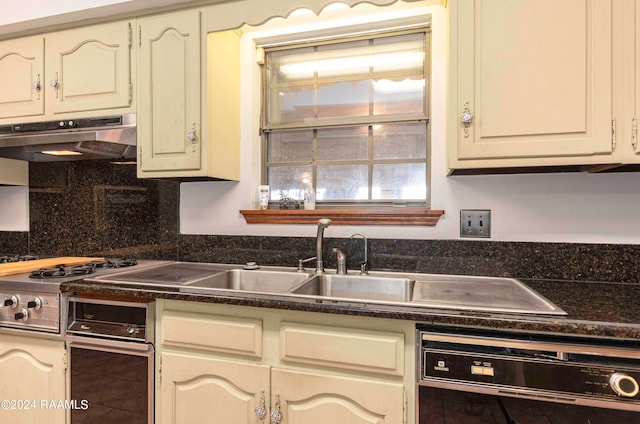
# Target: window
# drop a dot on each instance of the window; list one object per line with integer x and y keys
{"x": 349, "y": 117}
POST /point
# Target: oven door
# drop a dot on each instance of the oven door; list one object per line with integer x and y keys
{"x": 111, "y": 381}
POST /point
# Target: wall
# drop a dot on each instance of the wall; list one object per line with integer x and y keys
{"x": 577, "y": 207}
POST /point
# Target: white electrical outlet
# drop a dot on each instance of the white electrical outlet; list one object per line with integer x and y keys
{"x": 475, "y": 223}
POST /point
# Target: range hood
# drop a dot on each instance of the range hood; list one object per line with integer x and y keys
{"x": 106, "y": 137}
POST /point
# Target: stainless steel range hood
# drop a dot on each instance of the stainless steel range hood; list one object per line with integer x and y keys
{"x": 107, "y": 137}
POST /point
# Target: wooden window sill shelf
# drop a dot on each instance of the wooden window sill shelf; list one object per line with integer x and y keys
{"x": 423, "y": 217}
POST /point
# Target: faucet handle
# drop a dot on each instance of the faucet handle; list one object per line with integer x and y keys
{"x": 364, "y": 266}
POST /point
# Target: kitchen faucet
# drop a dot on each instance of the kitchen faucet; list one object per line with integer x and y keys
{"x": 322, "y": 224}
{"x": 365, "y": 264}
{"x": 341, "y": 268}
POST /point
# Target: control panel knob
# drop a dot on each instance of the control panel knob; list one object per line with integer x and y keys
{"x": 62, "y": 124}
{"x": 131, "y": 330}
{"x": 624, "y": 385}
{"x": 71, "y": 124}
{"x": 11, "y": 302}
{"x": 35, "y": 304}
{"x": 23, "y": 315}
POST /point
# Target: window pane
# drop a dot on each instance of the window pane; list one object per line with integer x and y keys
{"x": 342, "y": 99}
{"x": 288, "y": 181}
{"x": 401, "y": 52}
{"x": 342, "y": 182}
{"x": 342, "y": 143}
{"x": 290, "y": 146}
{"x": 292, "y": 104}
{"x": 400, "y": 141}
{"x": 399, "y": 181}
{"x": 398, "y": 95}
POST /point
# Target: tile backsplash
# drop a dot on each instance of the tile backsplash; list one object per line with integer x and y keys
{"x": 102, "y": 209}
{"x": 99, "y": 208}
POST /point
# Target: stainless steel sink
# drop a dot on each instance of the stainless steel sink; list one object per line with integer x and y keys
{"x": 457, "y": 292}
{"x": 264, "y": 281}
{"x": 363, "y": 288}
{"x": 200, "y": 277}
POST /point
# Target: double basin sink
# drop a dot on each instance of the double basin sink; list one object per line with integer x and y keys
{"x": 458, "y": 292}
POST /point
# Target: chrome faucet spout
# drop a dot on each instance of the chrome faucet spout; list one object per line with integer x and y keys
{"x": 322, "y": 224}
{"x": 341, "y": 258}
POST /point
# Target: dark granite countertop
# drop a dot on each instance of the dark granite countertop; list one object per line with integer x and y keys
{"x": 601, "y": 310}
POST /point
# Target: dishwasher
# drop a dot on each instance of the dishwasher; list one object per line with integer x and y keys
{"x": 477, "y": 376}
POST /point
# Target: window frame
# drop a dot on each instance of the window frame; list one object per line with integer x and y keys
{"x": 362, "y": 121}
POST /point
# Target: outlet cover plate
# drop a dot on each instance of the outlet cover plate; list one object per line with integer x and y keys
{"x": 475, "y": 223}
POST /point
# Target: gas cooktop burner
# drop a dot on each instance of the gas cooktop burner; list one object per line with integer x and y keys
{"x": 114, "y": 263}
{"x": 16, "y": 258}
{"x": 63, "y": 271}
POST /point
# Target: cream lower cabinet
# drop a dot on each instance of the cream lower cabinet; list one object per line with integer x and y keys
{"x": 236, "y": 364}
{"x": 530, "y": 83}
{"x": 33, "y": 380}
{"x": 196, "y": 389}
{"x": 314, "y": 398}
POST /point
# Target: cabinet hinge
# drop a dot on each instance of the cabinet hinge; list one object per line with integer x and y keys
{"x": 613, "y": 133}
{"x": 130, "y": 93}
{"x": 634, "y": 132}
{"x": 130, "y": 36}
{"x": 139, "y": 35}
{"x": 160, "y": 370}
{"x": 65, "y": 362}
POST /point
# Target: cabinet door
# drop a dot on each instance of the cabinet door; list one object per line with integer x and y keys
{"x": 21, "y": 76}
{"x": 631, "y": 36}
{"x": 309, "y": 398}
{"x": 33, "y": 378}
{"x": 535, "y": 75}
{"x": 195, "y": 389}
{"x": 169, "y": 92}
{"x": 89, "y": 69}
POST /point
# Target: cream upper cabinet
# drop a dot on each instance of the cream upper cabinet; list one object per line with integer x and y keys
{"x": 33, "y": 371}
{"x": 185, "y": 75}
{"x": 89, "y": 68}
{"x": 221, "y": 363}
{"x": 22, "y": 71}
{"x": 169, "y": 69}
{"x": 626, "y": 39}
{"x": 71, "y": 73}
{"x": 530, "y": 83}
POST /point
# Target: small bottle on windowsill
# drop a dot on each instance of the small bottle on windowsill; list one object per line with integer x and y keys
{"x": 309, "y": 197}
